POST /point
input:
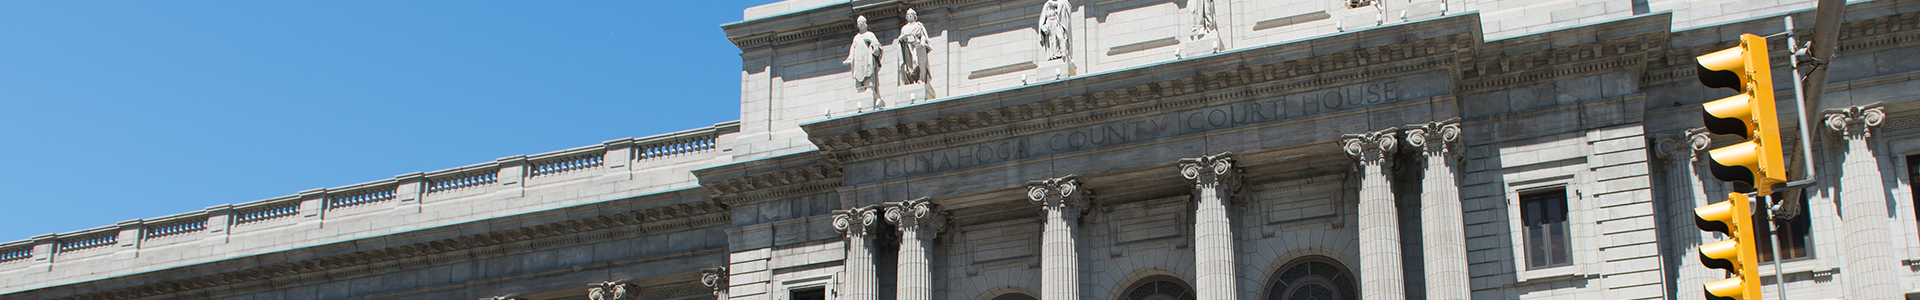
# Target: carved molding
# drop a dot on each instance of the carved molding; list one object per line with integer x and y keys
{"x": 610, "y": 290}
{"x": 504, "y": 297}
{"x": 1063, "y": 191}
{"x": 1250, "y": 81}
{"x": 1215, "y": 169}
{"x": 821, "y": 173}
{"x": 1841, "y": 120}
{"x": 918, "y": 214}
{"x": 857, "y": 222}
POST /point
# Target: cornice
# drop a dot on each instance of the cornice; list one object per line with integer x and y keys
{"x": 1857, "y": 36}
{"x": 633, "y": 223}
{"x": 1243, "y": 82}
{"x": 790, "y": 181}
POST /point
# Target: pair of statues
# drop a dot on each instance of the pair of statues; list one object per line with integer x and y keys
{"x": 864, "y": 57}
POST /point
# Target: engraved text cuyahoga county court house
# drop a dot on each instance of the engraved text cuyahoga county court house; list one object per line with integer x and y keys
{"x": 1115, "y": 150}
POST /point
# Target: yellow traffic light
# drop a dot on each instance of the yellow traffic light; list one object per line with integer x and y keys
{"x": 1736, "y": 254}
{"x": 1759, "y": 161}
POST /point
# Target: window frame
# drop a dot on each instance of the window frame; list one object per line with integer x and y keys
{"x": 1579, "y": 224}
{"x": 1566, "y": 223}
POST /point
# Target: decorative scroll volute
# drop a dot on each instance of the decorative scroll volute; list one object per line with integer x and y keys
{"x": 1212, "y": 169}
{"x": 1063, "y": 192}
{"x": 1435, "y": 138}
{"x": 917, "y": 214}
{"x": 1370, "y": 146}
{"x": 714, "y": 278}
{"x": 857, "y": 222}
{"x": 610, "y": 290}
{"x": 1868, "y": 116}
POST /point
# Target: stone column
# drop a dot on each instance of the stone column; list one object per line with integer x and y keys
{"x": 920, "y": 221}
{"x": 862, "y": 279}
{"x": 1869, "y": 269}
{"x": 1215, "y": 180}
{"x": 716, "y": 279}
{"x": 1686, "y": 179}
{"x": 1062, "y": 202}
{"x": 1443, "y": 227}
{"x": 1381, "y": 276}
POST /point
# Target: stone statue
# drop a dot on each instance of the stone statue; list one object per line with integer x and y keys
{"x": 914, "y": 48}
{"x": 1053, "y": 29}
{"x": 1203, "y": 23}
{"x": 863, "y": 58}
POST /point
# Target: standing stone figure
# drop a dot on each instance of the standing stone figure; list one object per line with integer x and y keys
{"x": 1203, "y": 24}
{"x": 864, "y": 60}
{"x": 1053, "y": 29}
{"x": 914, "y": 47}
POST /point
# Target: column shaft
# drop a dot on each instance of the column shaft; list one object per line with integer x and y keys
{"x": 862, "y": 281}
{"x": 1215, "y": 181}
{"x": 920, "y": 221}
{"x": 1381, "y": 275}
{"x": 1869, "y": 270}
{"x": 1061, "y": 201}
{"x": 1443, "y": 229}
{"x": 1686, "y": 179}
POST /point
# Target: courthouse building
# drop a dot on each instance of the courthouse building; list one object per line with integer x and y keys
{"x": 1114, "y": 150}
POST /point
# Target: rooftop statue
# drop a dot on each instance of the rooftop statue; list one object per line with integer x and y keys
{"x": 1053, "y": 29}
{"x": 863, "y": 59}
{"x": 1203, "y": 23}
{"x": 914, "y": 47}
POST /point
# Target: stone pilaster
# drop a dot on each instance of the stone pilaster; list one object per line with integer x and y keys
{"x": 1869, "y": 270}
{"x": 920, "y": 221}
{"x": 862, "y": 278}
{"x": 1443, "y": 227}
{"x": 1686, "y": 180}
{"x": 1062, "y": 201}
{"x": 1381, "y": 275}
{"x": 716, "y": 279}
{"x": 610, "y": 290}
{"x": 1215, "y": 180}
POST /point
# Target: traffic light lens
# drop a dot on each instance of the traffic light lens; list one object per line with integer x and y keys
{"x": 1737, "y": 163}
{"x": 1722, "y": 255}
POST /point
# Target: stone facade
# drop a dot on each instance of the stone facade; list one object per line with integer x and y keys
{"x": 1431, "y": 149}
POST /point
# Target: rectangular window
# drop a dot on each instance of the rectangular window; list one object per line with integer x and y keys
{"x": 1793, "y": 232}
{"x": 808, "y": 294}
{"x": 1544, "y": 214}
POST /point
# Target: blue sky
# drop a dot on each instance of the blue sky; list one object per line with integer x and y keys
{"x": 122, "y": 110}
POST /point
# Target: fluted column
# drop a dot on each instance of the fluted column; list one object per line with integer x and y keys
{"x": 857, "y": 224}
{"x": 1443, "y": 229}
{"x": 1215, "y": 180}
{"x": 716, "y": 279}
{"x": 1062, "y": 201}
{"x": 1686, "y": 180}
{"x": 920, "y": 222}
{"x": 1869, "y": 270}
{"x": 1381, "y": 275}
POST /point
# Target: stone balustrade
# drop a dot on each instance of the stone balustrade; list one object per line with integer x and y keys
{"x": 403, "y": 203}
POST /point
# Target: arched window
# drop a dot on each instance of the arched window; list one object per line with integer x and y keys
{"x": 1312, "y": 278}
{"x": 1160, "y": 288}
{"x": 1014, "y": 296}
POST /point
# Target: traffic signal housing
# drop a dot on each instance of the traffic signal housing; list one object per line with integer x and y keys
{"x": 1736, "y": 254}
{"x": 1758, "y": 161}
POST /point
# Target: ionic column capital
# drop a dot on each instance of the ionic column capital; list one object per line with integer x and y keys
{"x": 1685, "y": 145}
{"x": 714, "y": 278}
{"x": 1212, "y": 169}
{"x": 1063, "y": 192}
{"x": 857, "y": 222}
{"x": 1371, "y": 145}
{"x": 917, "y": 214}
{"x": 609, "y": 290}
{"x": 1841, "y": 120}
{"x": 1435, "y": 138}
